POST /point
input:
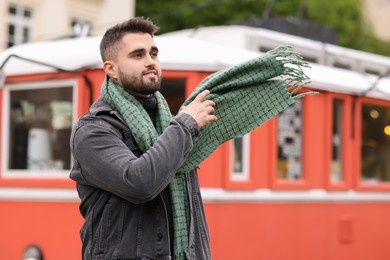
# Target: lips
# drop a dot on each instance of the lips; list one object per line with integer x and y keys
{"x": 150, "y": 72}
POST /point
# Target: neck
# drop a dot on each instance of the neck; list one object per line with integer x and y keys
{"x": 150, "y": 105}
{"x": 139, "y": 95}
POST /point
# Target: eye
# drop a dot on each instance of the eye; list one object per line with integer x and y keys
{"x": 154, "y": 54}
{"x": 138, "y": 55}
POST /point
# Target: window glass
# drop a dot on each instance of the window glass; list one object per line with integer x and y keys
{"x": 39, "y": 129}
{"x": 26, "y": 34}
{"x": 373, "y": 71}
{"x": 174, "y": 92}
{"x": 239, "y": 158}
{"x": 341, "y": 65}
{"x": 337, "y": 141}
{"x": 11, "y": 35}
{"x": 309, "y": 58}
{"x": 289, "y": 165}
{"x": 27, "y": 13}
{"x": 264, "y": 49}
{"x": 238, "y": 155}
{"x": 375, "y": 149}
{"x": 12, "y": 10}
{"x": 11, "y": 30}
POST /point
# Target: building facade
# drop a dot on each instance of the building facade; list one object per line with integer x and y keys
{"x": 377, "y": 13}
{"x": 40, "y": 20}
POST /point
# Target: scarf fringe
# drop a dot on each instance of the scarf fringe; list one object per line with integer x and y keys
{"x": 294, "y": 76}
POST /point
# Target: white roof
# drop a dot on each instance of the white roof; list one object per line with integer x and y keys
{"x": 68, "y": 54}
{"x": 241, "y": 36}
{"x": 176, "y": 53}
{"x": 322, "y": 77}
{"x": 346, "y": 81}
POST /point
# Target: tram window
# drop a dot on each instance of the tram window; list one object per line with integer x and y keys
{"x": 239, "y": 158}
{"x": 310, "y": 58}
{"x": 174, "y": 92}
{"x": 375, "y": 148}
{"x": 40, "y": 122}
{"x": 264, "y": 49}
{"x": 289, "y": 141}
{"x": 341, "y": 65}
{"x": 373, "y": 72}
{"x": 337, "y": 141}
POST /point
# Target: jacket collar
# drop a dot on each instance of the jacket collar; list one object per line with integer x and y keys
{"x": 100, "y": 106}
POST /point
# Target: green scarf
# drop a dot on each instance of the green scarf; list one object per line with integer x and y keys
{"x": 246, "y": 96}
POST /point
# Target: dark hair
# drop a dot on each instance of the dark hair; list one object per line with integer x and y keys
{"x": 113, "y": 36}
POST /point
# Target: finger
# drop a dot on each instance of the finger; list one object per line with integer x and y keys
{"x": 208, "y": 103}
{"x": 202, "y": 95}
{"x": 211, "y": 110}
{"x": 212, "y": 118}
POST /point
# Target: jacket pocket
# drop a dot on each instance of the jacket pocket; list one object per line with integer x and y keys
{"x": 110, "y": 232}
{"x": 87, "y": 235}
{"x": 103, "y": 230}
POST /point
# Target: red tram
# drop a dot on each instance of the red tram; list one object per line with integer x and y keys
{"x": 313, "y": 183}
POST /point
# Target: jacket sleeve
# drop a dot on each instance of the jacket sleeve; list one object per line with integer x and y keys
{"x": 106, "y": 162}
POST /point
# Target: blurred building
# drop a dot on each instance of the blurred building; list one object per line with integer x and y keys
{"x": 39, "y": 20}
{"x": 377, "y": 13}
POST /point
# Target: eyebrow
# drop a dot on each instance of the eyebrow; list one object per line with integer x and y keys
{"x": 139, "y": 50}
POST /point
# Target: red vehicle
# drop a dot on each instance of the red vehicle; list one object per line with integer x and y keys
{"x": 311, "y": 183}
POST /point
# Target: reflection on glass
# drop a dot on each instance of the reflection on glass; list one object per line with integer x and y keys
{"x": 238, "y": 157}
{"x": 337, "y": 141}
{"x": 375, "y": 149}
{"x": 290, "y": 142}
{"x": 39, "y": 129}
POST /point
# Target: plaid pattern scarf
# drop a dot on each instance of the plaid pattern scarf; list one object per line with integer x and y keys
{"x": 246, "y": 96}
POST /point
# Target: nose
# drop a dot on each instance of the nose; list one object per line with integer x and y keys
{"x": 150, "y": 62}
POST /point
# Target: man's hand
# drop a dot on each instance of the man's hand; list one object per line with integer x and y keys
{"x": 201, "y": 110}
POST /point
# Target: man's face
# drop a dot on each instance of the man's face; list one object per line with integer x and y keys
{"x": 137, "y": 68}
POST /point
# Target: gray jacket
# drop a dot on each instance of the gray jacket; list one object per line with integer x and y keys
{"x": 120, "y": 187}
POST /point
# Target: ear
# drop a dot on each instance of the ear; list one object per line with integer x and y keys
{"x": 110, "y": 69}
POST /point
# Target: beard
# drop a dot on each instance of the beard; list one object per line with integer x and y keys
{"x": 135, "y": 85}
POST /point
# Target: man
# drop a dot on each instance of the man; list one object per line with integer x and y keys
{"x": 125, "y": 158}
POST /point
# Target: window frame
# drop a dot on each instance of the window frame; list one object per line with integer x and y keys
{"x": 358, "y": 184}
{"x": 7, "y": 173}
{"x": 244, "y": 175}
{"x": 347, "y": 136}
{"x": 281, "y": 184}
